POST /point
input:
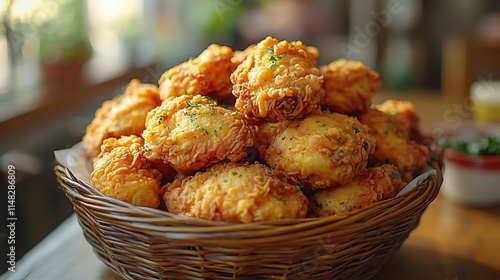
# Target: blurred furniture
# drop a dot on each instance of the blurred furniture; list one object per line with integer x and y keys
{"x": 467, "y": 58}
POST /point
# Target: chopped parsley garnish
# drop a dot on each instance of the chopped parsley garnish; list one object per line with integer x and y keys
{"x": 190, "y": 103}
{"x": 282, "y": 199}
{"x": 269, "y": 49}
{"x": 394, "y": 175}
{"x": 274, "y": 60}
{"x": 489, "y": 145}
{"x": 204, "y": 130}
{"x": 211, "y": 100}
{"x": 340, "y": 140}
{"x": 298, "y": 187}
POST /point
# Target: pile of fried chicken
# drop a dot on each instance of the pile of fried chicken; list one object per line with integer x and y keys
{"x": 255, "y": 135}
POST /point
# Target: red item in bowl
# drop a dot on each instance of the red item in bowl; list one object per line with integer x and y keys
{"x": 489, "y": 162}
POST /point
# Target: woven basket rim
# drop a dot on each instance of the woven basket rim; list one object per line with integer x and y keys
{"x": 90, "y": 195}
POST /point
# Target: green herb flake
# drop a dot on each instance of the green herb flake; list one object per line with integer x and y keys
{"x": 211, "y": 100}
{"x": 269, "y": 49}
{"x": 203, "y": 129}
{"x": 356, "y": 130}
{"x": 328, "y": 137}
{"x": 298, "y": 187}
{"x": 261, "y": 179}
{"x": 394, "y": 175}
{"x": 274, "y": 60}
{"x": 340, "y": 140}
{"x": 283, "y": 199}
{"x": 391, "y": 126}
{"x": 190, "y": 103}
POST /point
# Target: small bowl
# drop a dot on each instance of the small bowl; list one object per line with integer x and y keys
{"x": 471, "y": 180}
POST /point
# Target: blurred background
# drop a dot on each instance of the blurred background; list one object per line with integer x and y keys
{"x": 60, "y": 59}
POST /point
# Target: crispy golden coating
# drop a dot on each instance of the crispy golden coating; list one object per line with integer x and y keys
{"x": 122, "y": 115}
{"x": 235, "y": 192}
{"x": 394, "y": 144}
{"x": 278, "y": 81}
{"x": 191, "y": 132}
{"x": 124, "y": 141}
{"x": 349, "y": 86}
{"x": 321, "y": 151}
{"x": 208, "y": 74}
{"x": 405, "y": 114}
{"x": 373, "y": 185}
{"x": 267, "y": 132}
{"x": 122, "y": 172}
{"x": 240, "y": 56}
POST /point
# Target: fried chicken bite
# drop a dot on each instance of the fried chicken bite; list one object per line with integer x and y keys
{"x": 122, "y": 172}
{"x": 208, "y": 74}
{"x": 349, "y": 86}
{"x": 124, "y": 141}
{"x": 394, "y": 144}
{"x": 267, "y": 132}
{"x": 405, "y": 114}
{"x": 278, "y": 81}
{"x": 240, "y": 56}
{"x": 372, "y": 185}
{"x": 320, "y": 151}
{"x": 235, "y": 192}
{"x": 191, "y": 132}
{"x": 122, "y": 115}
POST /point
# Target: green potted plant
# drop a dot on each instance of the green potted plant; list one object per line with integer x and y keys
{"x": 64, "y": 43}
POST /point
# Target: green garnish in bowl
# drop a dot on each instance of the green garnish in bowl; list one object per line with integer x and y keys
{"x": 489, "y": 145}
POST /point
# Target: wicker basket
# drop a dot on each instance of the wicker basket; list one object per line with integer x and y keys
{"x": 142, "y": 243}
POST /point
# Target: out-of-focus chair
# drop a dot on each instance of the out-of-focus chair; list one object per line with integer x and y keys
{"x": 467, "y": 58}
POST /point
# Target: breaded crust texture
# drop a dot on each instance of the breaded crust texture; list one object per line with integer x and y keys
{"x": 122, "y": 172}
{"x": 235, "y": 192}
{"x": 121, "y": 116}
{"x": 191, "y": 132}
{"x": 320, "y": 151}
{"x": 278, "y": 81}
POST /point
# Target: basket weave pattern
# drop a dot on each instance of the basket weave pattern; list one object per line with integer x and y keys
{"x": 143, "y": 243}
